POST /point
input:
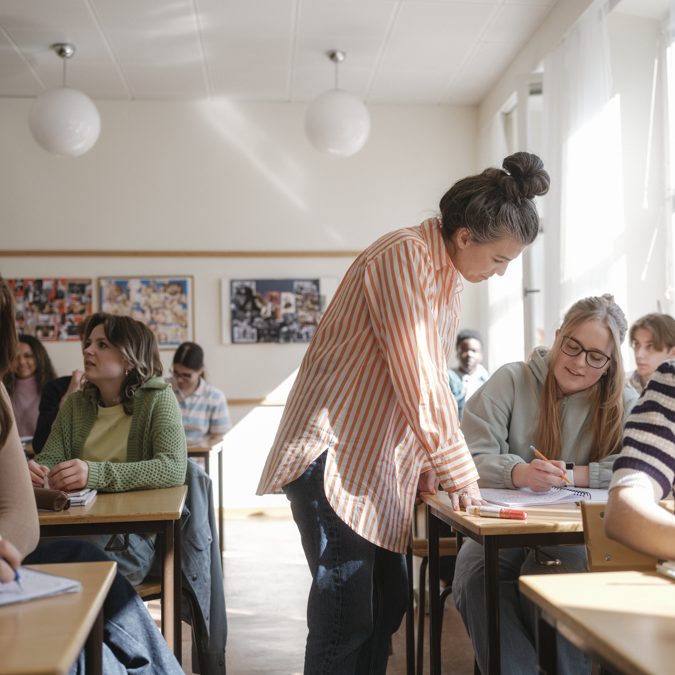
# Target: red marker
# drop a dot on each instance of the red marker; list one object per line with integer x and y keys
{"x": 496, "y": 512}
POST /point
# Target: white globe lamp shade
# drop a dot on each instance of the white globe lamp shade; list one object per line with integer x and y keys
{"x": 65, "y": 122}
{"x": 337, "y": 123}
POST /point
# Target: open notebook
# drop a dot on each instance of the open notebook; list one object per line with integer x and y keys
{"x": 33, "y": 585}
{"x": 525, "y": 496}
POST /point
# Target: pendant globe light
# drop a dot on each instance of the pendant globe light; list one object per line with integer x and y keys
{"x": 65, "y": 122}
{"x": 337, "y": 123}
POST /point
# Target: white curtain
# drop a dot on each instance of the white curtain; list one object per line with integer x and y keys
{"x": 582, "y": 153}
{"x": 504, "y": 298}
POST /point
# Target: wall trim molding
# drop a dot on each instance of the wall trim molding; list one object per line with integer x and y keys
{"x": 176, "y": 254}
{"x": 267, "y": 403}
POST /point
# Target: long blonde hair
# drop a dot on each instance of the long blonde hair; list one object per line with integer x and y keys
{"x": 607, "y": 394}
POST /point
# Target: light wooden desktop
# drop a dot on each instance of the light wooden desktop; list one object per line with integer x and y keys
{"x": 142, "y": 511}
{"x": 626, "y": 620}
{"x": 44, "y": 637}
{"x": 545, "y": 526}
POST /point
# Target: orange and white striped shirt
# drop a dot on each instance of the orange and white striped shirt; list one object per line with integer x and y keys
{"x": 373, "y": 389}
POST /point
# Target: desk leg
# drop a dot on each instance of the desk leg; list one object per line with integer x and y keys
{"x": 434, "y": 596}
{"x": 168, "y": 555}
{"x": 221, "y": 515}
{"x": 178, "y": 589}
{"x": 93, "y": 647}
{"x": 547, "y": 657}
{"x": 207, "y": 463}
{"x": 491, "y": 553}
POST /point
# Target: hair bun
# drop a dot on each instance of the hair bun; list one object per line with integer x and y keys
{"x": 526, "y": 177}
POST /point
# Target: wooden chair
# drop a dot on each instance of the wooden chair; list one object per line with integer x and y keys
{"x": 420, "y": 549}
{"x": 604, "y": 554}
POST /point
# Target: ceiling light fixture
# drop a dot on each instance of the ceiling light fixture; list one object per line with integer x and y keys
{"x": 337, "y": 123}
{"x": 65, "y": 122}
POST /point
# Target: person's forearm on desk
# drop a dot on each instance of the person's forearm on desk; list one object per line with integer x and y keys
{"x": 633, "y": 519}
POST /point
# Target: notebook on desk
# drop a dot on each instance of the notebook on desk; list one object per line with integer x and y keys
{"x": 526, "y": 497}
{"x": 33, "y": 585}
{"x": 82, "y": 497}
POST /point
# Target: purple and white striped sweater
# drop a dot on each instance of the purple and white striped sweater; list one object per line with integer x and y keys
{"x": 647, "y": 459}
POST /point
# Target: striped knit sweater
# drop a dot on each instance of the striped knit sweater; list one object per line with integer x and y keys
{"x": 647, "y": 460}
{"x": 156, "y": 447}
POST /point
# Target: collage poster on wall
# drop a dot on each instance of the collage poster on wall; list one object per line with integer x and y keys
{"x": 276, "y": 310}
{"x": 165, "y": 304}
{"x": 51, "y": 309}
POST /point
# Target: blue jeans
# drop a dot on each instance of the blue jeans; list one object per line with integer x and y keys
{"x": 134, "y": 563}
{"x": 359, "y": 591}
{"x": 516, "y": 612}
{"x": 132, "y": 642}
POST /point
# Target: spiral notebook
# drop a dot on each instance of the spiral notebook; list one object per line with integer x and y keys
{"x": 525, "y": 496}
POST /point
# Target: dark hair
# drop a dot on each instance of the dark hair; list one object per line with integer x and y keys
{"x": 496, "y": 203}
{"x": 468, "y": 334}
{"x": 662, "y": 328}
{"x": 8, "y": 344}
{"x": 138, "y": 346}
{"x": 44, "y": 370}
{"x": 190, "y": 355}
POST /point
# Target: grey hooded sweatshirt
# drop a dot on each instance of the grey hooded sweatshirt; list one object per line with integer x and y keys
{"x": 500, "y": 424}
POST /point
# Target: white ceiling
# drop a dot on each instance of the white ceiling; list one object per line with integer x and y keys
{"x": 398, "y": 51}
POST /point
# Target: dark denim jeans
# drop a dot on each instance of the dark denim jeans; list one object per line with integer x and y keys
{"x": 359, "y": 591}
{"x": 132, "y": 642}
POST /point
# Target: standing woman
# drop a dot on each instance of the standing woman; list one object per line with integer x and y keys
{"x": 31, "y": 370}
{"x": 371, "y": 421}
{"x": 206, "y": 417}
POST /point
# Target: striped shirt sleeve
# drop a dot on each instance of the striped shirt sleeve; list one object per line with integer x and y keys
{"x": 399, "y": 293}
{"x": 220, "y": 422}
{"x": 647, "y": 460}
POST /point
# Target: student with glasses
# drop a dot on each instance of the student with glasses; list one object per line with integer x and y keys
{"x": 206, "y": 417}
{"x": 570, "y": 402}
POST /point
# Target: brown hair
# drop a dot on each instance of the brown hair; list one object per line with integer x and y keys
{"x": 44, "y": 370}
{"x": 607, "y": 395}
{"x": 8, "y": 343}
{"x": 662, "y": 328}
{"x": 139, "y": 349}
{"x": 495, "y": 203}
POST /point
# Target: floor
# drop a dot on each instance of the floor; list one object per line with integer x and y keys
{"x": 266, "y": 585}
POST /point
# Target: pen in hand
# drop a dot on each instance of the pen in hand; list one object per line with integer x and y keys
{"x": 16, "y": 571}
{"x": 536, "y": 452}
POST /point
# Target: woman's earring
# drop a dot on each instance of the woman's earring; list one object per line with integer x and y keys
{"x": 126, "y": 372}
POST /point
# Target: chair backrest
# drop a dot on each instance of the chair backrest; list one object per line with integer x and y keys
{"x": 604, "y": 554}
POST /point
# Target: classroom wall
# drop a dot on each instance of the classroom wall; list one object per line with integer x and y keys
{"x": 222, "y": 176}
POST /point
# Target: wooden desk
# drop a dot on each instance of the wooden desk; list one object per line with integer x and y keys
{"x": 545, "y": 526}
{"x": 205, "y": 454}
{"x": 143, "y": 511}
{"x": 625, "y": 620}
{"x": 44, "y": 637}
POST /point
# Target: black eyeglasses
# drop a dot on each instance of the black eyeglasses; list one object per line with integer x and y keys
{"x": 594, "y": 358}
{"x": 182, "y": 376}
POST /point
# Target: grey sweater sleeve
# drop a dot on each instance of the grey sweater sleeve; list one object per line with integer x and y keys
{"x": 485, "y": 425}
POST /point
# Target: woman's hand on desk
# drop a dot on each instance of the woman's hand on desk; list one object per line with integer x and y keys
{"x": 37, "y": 473}
{"x": 427, "y": 482}
{"x": 538, "y": 475}
{"x": 10, "y": 560}
{"x": 469, "y": 495}
{"x": 70, "y": 475}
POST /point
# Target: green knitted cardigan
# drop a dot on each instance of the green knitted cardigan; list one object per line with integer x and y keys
{"x": 156, "y": 447}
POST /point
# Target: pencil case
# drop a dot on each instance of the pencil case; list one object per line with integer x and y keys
{"x": 51, "y": 500}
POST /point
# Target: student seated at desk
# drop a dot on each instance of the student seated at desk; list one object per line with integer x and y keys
{"x": 31, "y": 370}
{"x": 570, "y": 403}
{"x": 652, "y": 338}
{"x": 131, "y": 640}
{"x": 644, "y": 472}
{"x": 206, "y": 417}
{"x": 122, "y": 431}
